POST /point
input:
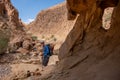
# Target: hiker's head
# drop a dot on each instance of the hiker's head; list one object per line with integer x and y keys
{"x": 42, "y": 43}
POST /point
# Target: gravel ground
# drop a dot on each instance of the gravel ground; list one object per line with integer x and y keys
{"x": 7, "y": 58}
{"x": 5, "y": 69}
{"x": 5, "y": 61}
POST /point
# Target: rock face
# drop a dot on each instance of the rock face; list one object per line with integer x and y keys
{"x": 52, "y": 22}
{"x": 89, "y": 51}
{"x": 4, "y": 36}
{"x": 10, "y": 25}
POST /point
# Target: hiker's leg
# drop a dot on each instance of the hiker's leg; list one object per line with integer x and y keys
{"x": 47, "y": 60}
{"x": 44, "y": 60}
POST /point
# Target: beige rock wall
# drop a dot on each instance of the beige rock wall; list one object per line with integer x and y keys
{"x": 52, "y": 22}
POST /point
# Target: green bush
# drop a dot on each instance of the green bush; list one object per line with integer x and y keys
{"x": 34, "y": 37}
{"x": 4, "y": 38}
{"x": 55, "y": 39}
{"x": 52, "y": 36}
{"x": 3, "y": 43}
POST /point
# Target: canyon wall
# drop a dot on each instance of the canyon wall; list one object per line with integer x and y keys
{"x": 52, "y": 22}
{"x": 90, "y": 52}
{"x": 11, "y": 27}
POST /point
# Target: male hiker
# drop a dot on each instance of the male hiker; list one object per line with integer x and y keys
{"x": 45, "y": 53}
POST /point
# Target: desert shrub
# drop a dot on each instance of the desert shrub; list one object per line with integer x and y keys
{"x": 34, "y": 37}
{"x": 52, "y": 36}
{"x": 55, "y": 39}
{"x": 4, "y": 40}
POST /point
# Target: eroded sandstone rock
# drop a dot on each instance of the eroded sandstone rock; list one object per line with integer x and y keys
{"x": 88, "y": 38}
{"x": 10, "y": 17}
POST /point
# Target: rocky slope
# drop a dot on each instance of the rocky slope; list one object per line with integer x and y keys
{"x": 52, "y": 23}
{"x": 10, "y": 28}
{"x": 9, "y": 22}
{"x": 9, "y": 18}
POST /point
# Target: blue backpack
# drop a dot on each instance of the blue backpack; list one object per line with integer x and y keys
{"x": 49, "y": 47}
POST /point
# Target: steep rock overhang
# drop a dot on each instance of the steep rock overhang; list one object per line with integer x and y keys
{"x": 77, "y": 6}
